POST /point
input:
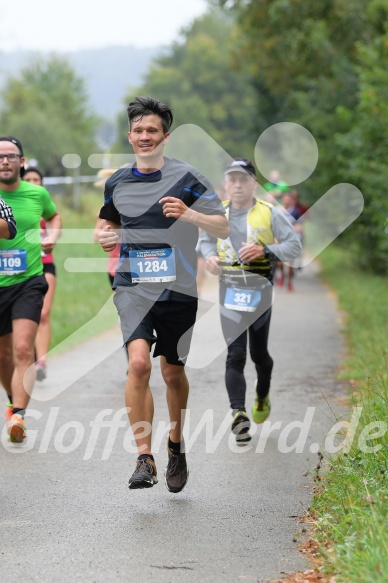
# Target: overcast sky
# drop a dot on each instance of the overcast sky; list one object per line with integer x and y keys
{"x": 55, "y": 25}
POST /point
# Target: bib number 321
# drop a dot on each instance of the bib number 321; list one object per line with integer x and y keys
{"x": 242, "y": 300}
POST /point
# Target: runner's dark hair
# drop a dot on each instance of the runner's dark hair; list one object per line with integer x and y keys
{"x": 141, "y": 106}
{"x": 33, "y": 169}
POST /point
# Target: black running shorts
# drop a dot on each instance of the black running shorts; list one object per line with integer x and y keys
{"x": 49, "y": 268}
{"x": 168, "y": 324}
{"x": 22, "y": 300}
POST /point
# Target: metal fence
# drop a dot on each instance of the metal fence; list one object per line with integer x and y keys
{"x": 75, "y": 181}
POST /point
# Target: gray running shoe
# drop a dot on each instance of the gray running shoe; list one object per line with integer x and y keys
{"x": 41, "y": 371}
{"x": 240, "y": 426}
{"x": 144, "y": 475}
{"x": 177, "y": 473}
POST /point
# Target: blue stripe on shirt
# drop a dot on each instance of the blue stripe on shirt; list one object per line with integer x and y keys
{"x": 198, "y": 194}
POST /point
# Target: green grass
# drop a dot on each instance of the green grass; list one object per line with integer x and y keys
{"x": 351, "y": 504}
{"x": 79, "y": 297}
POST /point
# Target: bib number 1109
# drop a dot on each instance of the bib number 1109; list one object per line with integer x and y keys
{"x": 13, "y": 261}
{"x": 10, "y": 262}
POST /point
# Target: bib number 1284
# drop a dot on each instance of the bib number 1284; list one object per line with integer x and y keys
{"x": 152, "y": 265}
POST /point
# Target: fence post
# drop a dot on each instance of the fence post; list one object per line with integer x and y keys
{"x": 76, "y": 189}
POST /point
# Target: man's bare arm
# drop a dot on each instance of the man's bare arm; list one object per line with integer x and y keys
{"x": 53, "y": 226}
{"x": 215, "y": 225}
{"x": 4, "y": 229}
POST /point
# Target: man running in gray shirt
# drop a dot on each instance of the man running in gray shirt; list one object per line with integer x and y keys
{"x": 260, "y": 234}
{"x": 157, "y": 204}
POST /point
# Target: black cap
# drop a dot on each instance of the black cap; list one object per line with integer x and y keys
{"x": 18, "y": 144}
{"x": 241, "y": 165}
{"x": 14, "y": 141}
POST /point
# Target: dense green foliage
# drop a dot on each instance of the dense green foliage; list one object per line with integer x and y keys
{"x": 351, "y": 504}
{"x": 46, "y": 108}
{"x": 197, "y": 79}
{"x": 323, "y": 65}
{"x": 235, "y": 71}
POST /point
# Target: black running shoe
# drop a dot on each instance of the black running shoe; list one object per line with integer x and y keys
{"x": 144, "y": 475}
{"x": 41, "y": 370}
{"x": 240, "y": 426}
{"x": 177, "y": 473}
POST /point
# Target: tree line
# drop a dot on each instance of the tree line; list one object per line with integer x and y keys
{"x": 46, "y": 106}
{"x": 238, "y": 69}
{"x": 323, "y": 65}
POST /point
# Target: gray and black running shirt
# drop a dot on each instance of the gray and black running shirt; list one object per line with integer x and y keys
{"x": 131, "y": 199}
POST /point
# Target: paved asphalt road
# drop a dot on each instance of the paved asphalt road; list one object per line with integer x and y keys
{"x": 67, "y": 514}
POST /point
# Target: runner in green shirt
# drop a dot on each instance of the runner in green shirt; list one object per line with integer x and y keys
{"x": 22, "y": 284}
{"x": 275, "y": 186}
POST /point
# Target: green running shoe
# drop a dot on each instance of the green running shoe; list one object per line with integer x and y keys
{"x": 240, "y": 426}
{"x": 261, "y": 409}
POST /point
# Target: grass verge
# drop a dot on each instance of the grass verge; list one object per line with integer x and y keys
{"x": 76, "y": 314}
{"x": 350, "y": 506}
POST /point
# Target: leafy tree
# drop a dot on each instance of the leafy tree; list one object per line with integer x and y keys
{"x": 197, "y": 79}
{"x": 46, "y": 107}
{"x": 321, "y": 64}
{"x": 363, "y": 149}
{"x": 301, "y": 56}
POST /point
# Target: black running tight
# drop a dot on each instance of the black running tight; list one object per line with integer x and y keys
{"x": 258, "y": 333}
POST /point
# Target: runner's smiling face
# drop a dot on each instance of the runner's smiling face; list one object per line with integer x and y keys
{"x": 147, "y": 136}
{"x": 10, "y": 171}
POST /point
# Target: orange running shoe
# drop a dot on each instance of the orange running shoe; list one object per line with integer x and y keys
{"x": 16, "y": 428}
{"x": 8, "y": 411}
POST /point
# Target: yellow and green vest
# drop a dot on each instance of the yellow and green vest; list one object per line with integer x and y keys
{"x": 258, "y": 231}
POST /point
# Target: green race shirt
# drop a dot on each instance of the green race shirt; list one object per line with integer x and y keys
{"x": 29, "y": 203}
{"x": 280, "y": 186}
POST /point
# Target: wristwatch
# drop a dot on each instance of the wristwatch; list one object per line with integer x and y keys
{"x": 267, "y": 251}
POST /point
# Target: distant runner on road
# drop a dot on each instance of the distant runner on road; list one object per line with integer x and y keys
{"x": 259, "y": 233}
{"x": 22, "y": 283}
{"x": 42, "y": 343}
{"x": 159, "y": 203}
